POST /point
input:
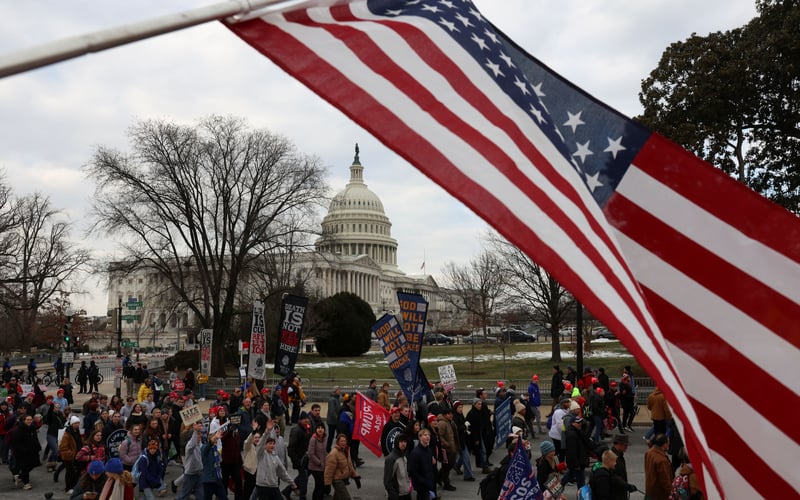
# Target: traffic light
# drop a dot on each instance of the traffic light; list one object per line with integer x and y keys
{"x": 68, "y": 331}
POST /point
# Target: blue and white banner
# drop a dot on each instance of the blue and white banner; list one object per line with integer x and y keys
{"x": 502, "y": 422}
{"x": 396, "y": 350}
{"x": 520, "y": 482}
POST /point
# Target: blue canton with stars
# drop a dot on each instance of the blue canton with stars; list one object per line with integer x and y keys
{"x": 599, "y": 142}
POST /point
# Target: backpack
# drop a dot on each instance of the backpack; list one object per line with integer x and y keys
{"x": 585, "y": 493}
{"x": 136, "y": 470}
{"x": 680, "y": 488}
{"x": 491, "y": 485}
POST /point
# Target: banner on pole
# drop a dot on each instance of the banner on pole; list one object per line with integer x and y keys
{"x": 414, "y": 311}
{"x": 206, "y": 336}
{"x": 370, "y": 419}
{"x": 293, "y": 316}
{"x": 396, "y": 351}
{"x": 520, "y": 482}
{"x": 256, "y": 364}
{"x": 502, "y": 422}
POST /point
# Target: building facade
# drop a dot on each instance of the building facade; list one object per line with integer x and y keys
{"x": 355, "y": 253}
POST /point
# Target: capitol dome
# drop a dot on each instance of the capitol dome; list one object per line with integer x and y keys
{"x": 356, "y": 223}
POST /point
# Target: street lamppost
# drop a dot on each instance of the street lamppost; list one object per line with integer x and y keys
{"x": 118, "y": 383}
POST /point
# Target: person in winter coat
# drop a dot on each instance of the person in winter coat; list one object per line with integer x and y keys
{"x": 686, "y": 469}
{"x": 250, "y": 461}
{"x": 657, "y": 469}
{"x": 26, "y": 447}
{"x": 152, "y": 470}
{"x": 449, "y": 445}
{"x": 606, "y": 484}
{"x": 316, "y": 461}
{"x": 422, "y": 467}
{"x": 68, "y": 448}
{"x": 297, "y": 448}
{"x": 659, "y": 411}
{"x": 212, "y": 469}
{"x": 271, "y": 470}
{"x": 91, "y": 482}
{"x": 627, "y": 403}
{"x": 94, "y": 377}
{"x": 119, "y": 482}
{"x": 577, "y": 445}
{"x": 231, "y": 459}
{"x": 393, "y": 428}
{"x": 137, "y": 417}
{"x": 339, "y": 469}
{"x": 54, "y": 418}
{"x": 131, "y": 448}
{"x": 547, "y": 464}
{"x": 332, "y": 416}
{"x": 475, "y": 433}
{"x": 193, "y": 464}
{"x": 83, "y": 377}
{"x": 94, "y": 449}
{"x": 462, "y": 455}
{"x": 395, "y": 471}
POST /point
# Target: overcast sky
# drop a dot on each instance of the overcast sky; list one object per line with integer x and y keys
{"x": 54, "y": 117}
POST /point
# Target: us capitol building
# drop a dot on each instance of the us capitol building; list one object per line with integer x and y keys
{"x": 355, "y": 253}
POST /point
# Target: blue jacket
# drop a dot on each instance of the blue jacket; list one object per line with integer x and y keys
{"x": 533, "y": 393}
{"x": 152, "y": 471}
{"x": 212, "y": 472}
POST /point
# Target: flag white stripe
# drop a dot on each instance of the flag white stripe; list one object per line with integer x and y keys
{"x": 733, "y": 326}
{"x": 728, "y": 243}
{"x": 736, "y": 485}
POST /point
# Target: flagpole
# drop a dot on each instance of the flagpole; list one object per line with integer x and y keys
{"x": 68, "y": 48}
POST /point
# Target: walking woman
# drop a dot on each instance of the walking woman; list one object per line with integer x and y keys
{"x": 339, "y": 469}
{"x": 68, "y": 448}
{"x": 316, "y": 461}
{"x": 25, "y": 444}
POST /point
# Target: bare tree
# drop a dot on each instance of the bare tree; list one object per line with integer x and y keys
{"x": 475, "y": 289}
{"x": 204, "y": 206}
{"x": 531, "y": 287}
{"x": 40, "y": 261}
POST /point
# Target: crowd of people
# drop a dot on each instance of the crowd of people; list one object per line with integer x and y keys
{"x": 262, "y": 443}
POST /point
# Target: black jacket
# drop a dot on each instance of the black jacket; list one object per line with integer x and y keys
{"x": 606, "y": 485}
{"x": 421, "y": 469}
{"x": 577, "y": 445}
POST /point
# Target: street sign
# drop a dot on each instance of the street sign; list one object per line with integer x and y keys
{"x": 131, "y": 317}
{"x": 130, "y": 343}
{"x": 68, "y": 357}
{"x": 134, "y": 304}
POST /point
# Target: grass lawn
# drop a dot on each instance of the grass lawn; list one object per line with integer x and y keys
{"x": 521, "y": 361}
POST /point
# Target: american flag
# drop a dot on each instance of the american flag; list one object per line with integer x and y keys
{"x": 697, "y": 275}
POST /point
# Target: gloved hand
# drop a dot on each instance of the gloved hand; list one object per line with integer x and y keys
{"x": 632, "y": 488}
{"x": 357, "y": 479}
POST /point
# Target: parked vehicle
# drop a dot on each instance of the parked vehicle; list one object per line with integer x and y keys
{"x": 438, "y": 338}
{"x": 478, "y": 338}
{"x": 513, "y": 335}
{"x": 604, "y": 334}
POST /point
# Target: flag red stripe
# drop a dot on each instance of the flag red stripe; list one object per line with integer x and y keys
{"x": 739, "y": 454}
{"x": 726, "y": 363}
{"x": 762, "y": 303}
{"x": 715, "y": 192}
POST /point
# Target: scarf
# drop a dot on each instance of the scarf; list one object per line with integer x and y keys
{"x": 217, "y": 460}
